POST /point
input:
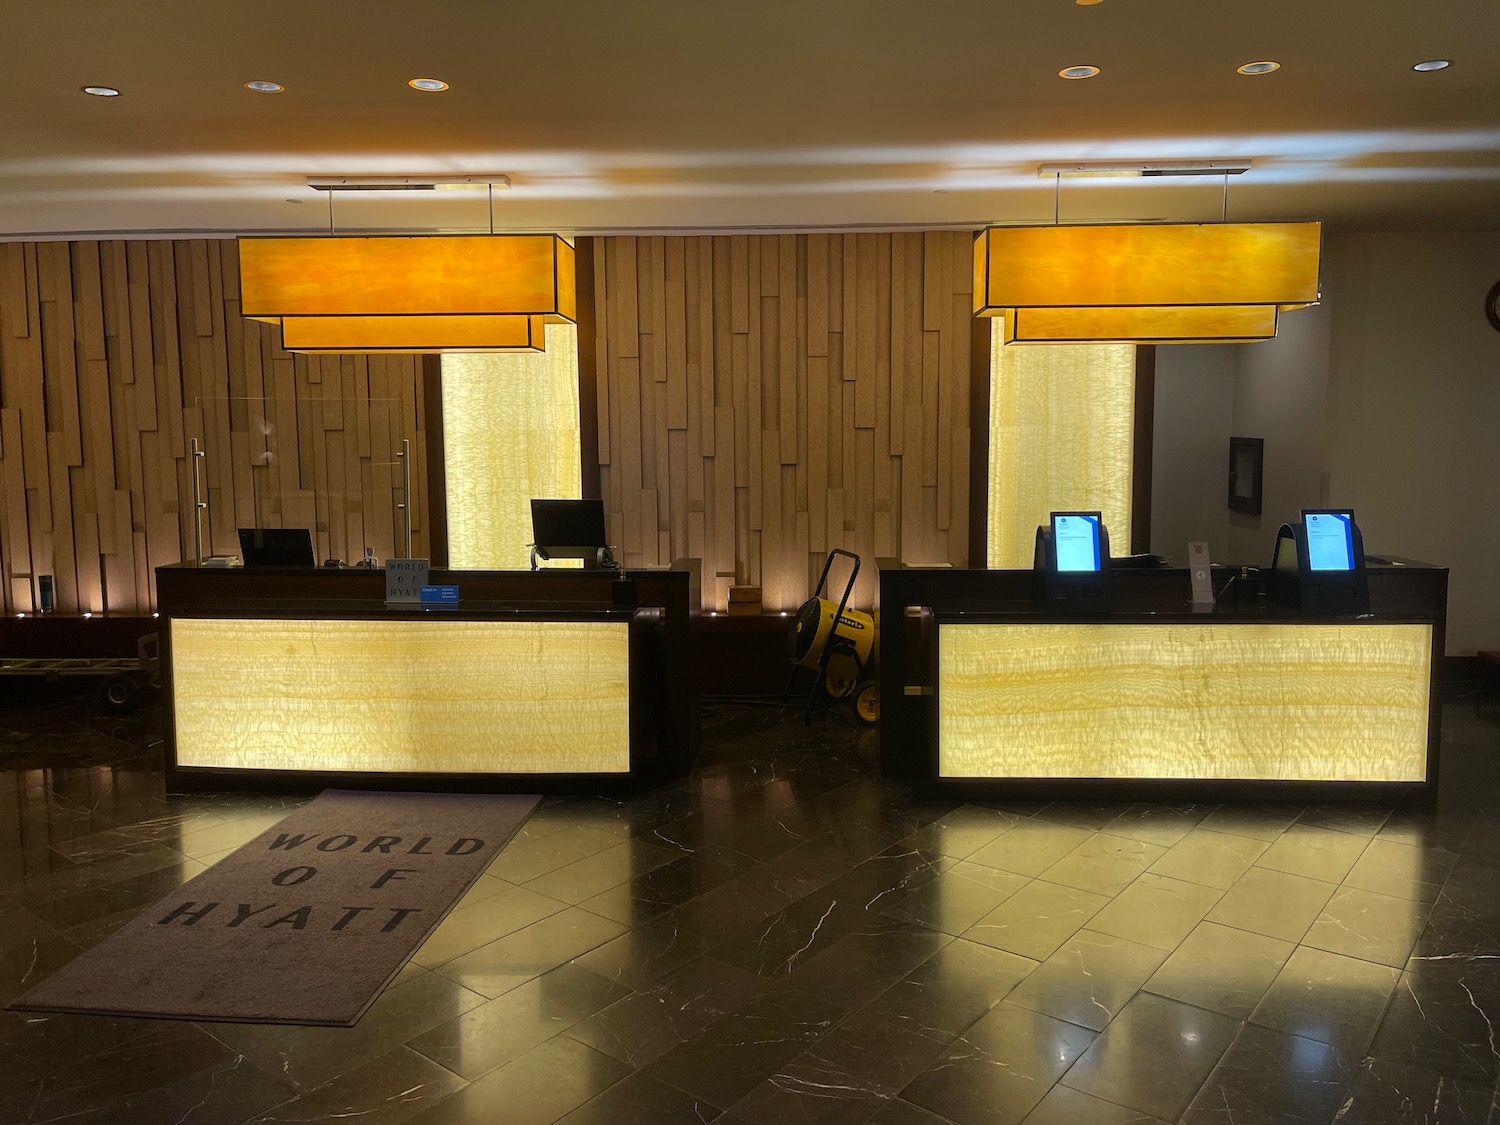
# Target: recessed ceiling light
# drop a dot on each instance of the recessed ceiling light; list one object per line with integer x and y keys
{"x": 265, "y": 87}
{"x": 428, "y": 85}
{"x": 1078, "y": 72}
{"x": 1433, "y": 64}
{"x": 1085, "y": 3}
{"x": 102, "y": 91}
{"x": 1264, "y": 67}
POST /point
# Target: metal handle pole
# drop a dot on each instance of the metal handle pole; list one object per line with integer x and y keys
{"x": 198, "y": 506}
{"x": 405, "y": 505}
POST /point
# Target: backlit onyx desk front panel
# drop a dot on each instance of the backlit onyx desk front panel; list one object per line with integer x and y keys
{"x": 552, "y": 680}
{"x": 980, "y": 688}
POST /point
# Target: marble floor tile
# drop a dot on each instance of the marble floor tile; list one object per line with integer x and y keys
{"x": 309, "y": 1057}
{"x": 844, "y": 1077}
{"x": 594, "y": 874}
{"x": 1088, "y": 980}
{"x": 1443, "y": 1018}
{"x": 952, "y": 900}
{"x": 498, "y": 966}
{"x": 1222, "y": 969}
{"x": 952, "y": 989}
{"x": 1314, "y": 853}
{"x": 1390, "y": 1093}
{"x": 1390, "y": 867}
{"x": 1154, "y": 1056}
{"x": 644, "y": 1025}
{"x": 862, "y": 964}
{"x": 1328, "y": 997}
{"x": 492, "y": 917}
{"x": 998, "y": 1070}
{"x": 1030, "y": 847}
{"x": 1373, "y": 927}
{"x": 1066, "y": 1106}
{"x": 963, "y": 831}
{"x": 1255, "y": 821}
{"x": 1163, "y": 825}
{"x": 1272, "y": 903}
{"x": 488, "y": 1036}
{"x": 1105, "y": 865}
{"x": 1037, "y": 919}
{"x": 740, "y": 1050}
{"x": 1270, "y": 1076}
{"x": 544, "y": 1084}
{"x": 642, "y": 1098}
{"x": 385, "y": 1091}
{"x": 1212, "y": 859}
{"x": 1347, "y": 816}
{"x": 1156, "y": 910}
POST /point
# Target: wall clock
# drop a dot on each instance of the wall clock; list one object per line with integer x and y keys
{"x": 1492, "y": 307}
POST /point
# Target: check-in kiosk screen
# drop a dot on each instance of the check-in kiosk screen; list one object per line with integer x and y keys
{"x": 1076, "y": 540}
{"x": 1330, "y": 540}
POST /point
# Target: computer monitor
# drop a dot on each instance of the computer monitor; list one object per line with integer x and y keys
{"x": 568, "y": 529}
{"x": 1075, "y": 539}
{"x": 276, "y": 546}
{"x": 1330, "y": 539}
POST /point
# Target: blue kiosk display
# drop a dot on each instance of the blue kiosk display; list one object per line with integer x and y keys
{"x": 1319, "y": 564}
{"x": 1072, "y": 564}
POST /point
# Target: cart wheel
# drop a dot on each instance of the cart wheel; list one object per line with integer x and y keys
{"x": 119, "y": 693}
{"x": 867, "y": 703}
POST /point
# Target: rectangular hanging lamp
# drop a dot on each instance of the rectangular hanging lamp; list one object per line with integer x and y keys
{"x": 1156, "y": 324}
{"x": 423, "y": 288}
{"x": 405, "y": 335}
{"x": 1153, "y": 265}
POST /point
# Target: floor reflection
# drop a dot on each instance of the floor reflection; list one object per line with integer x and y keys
{"x": 787, "y": 937}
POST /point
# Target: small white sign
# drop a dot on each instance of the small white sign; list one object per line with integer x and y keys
{"x": 1198, "y": 564}
{"x": 404, "y": 579}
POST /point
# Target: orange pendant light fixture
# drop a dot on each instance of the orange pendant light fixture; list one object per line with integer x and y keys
{"x": 1137, "y": 283}
{"x": 431, "y": 293}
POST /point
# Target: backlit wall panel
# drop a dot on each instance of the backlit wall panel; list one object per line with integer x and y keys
{"x": 1268, "y": 702}
{"x": 1062, "y": 432}
{"x": 510, "y": 433}
{"x": 440, "y": 696}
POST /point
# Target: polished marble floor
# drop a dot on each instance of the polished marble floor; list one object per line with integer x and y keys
{"x": 785, "y": 938}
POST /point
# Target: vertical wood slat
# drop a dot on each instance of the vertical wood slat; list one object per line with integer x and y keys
{"x": 113, "y": 355}
{"x": 824, "y": 391}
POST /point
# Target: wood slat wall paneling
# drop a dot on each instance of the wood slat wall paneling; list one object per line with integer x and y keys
{"x": 763, "y": 399}
{"x": 113, "y": 356}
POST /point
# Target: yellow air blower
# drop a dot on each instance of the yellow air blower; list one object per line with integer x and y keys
{"x": 839, "y": 644}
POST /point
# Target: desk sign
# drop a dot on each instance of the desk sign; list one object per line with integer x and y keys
{"x": 404, "y": 579}
{"x": 439, "y": 597}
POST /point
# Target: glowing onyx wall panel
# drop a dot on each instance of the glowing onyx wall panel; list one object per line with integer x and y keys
{"x": 1062, "y": 432}
{"x": 440, "y": 696}
{"x": 1231, "y": 701}
{"x": 510, "y": 433}
{"x": 114, "y": 355}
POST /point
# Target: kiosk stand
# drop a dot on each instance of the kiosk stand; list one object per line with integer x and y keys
{"x": 1319, "y": 565}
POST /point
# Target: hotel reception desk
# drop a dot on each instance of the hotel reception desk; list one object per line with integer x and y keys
{"x": 303, "y": 677}
{"x": 981, "y": 687}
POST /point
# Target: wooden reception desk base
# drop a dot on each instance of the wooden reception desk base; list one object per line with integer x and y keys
{"x": 980, "y": 688}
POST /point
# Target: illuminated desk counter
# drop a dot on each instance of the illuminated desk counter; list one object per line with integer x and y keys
{"x": 303, "y": 676}
{"x": 980, "y": 686}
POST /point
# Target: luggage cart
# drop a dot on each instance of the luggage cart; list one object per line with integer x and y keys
{"x": 123, "y": 680}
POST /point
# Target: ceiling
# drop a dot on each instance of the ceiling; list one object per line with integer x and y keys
{"x": 772, "y": 114}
